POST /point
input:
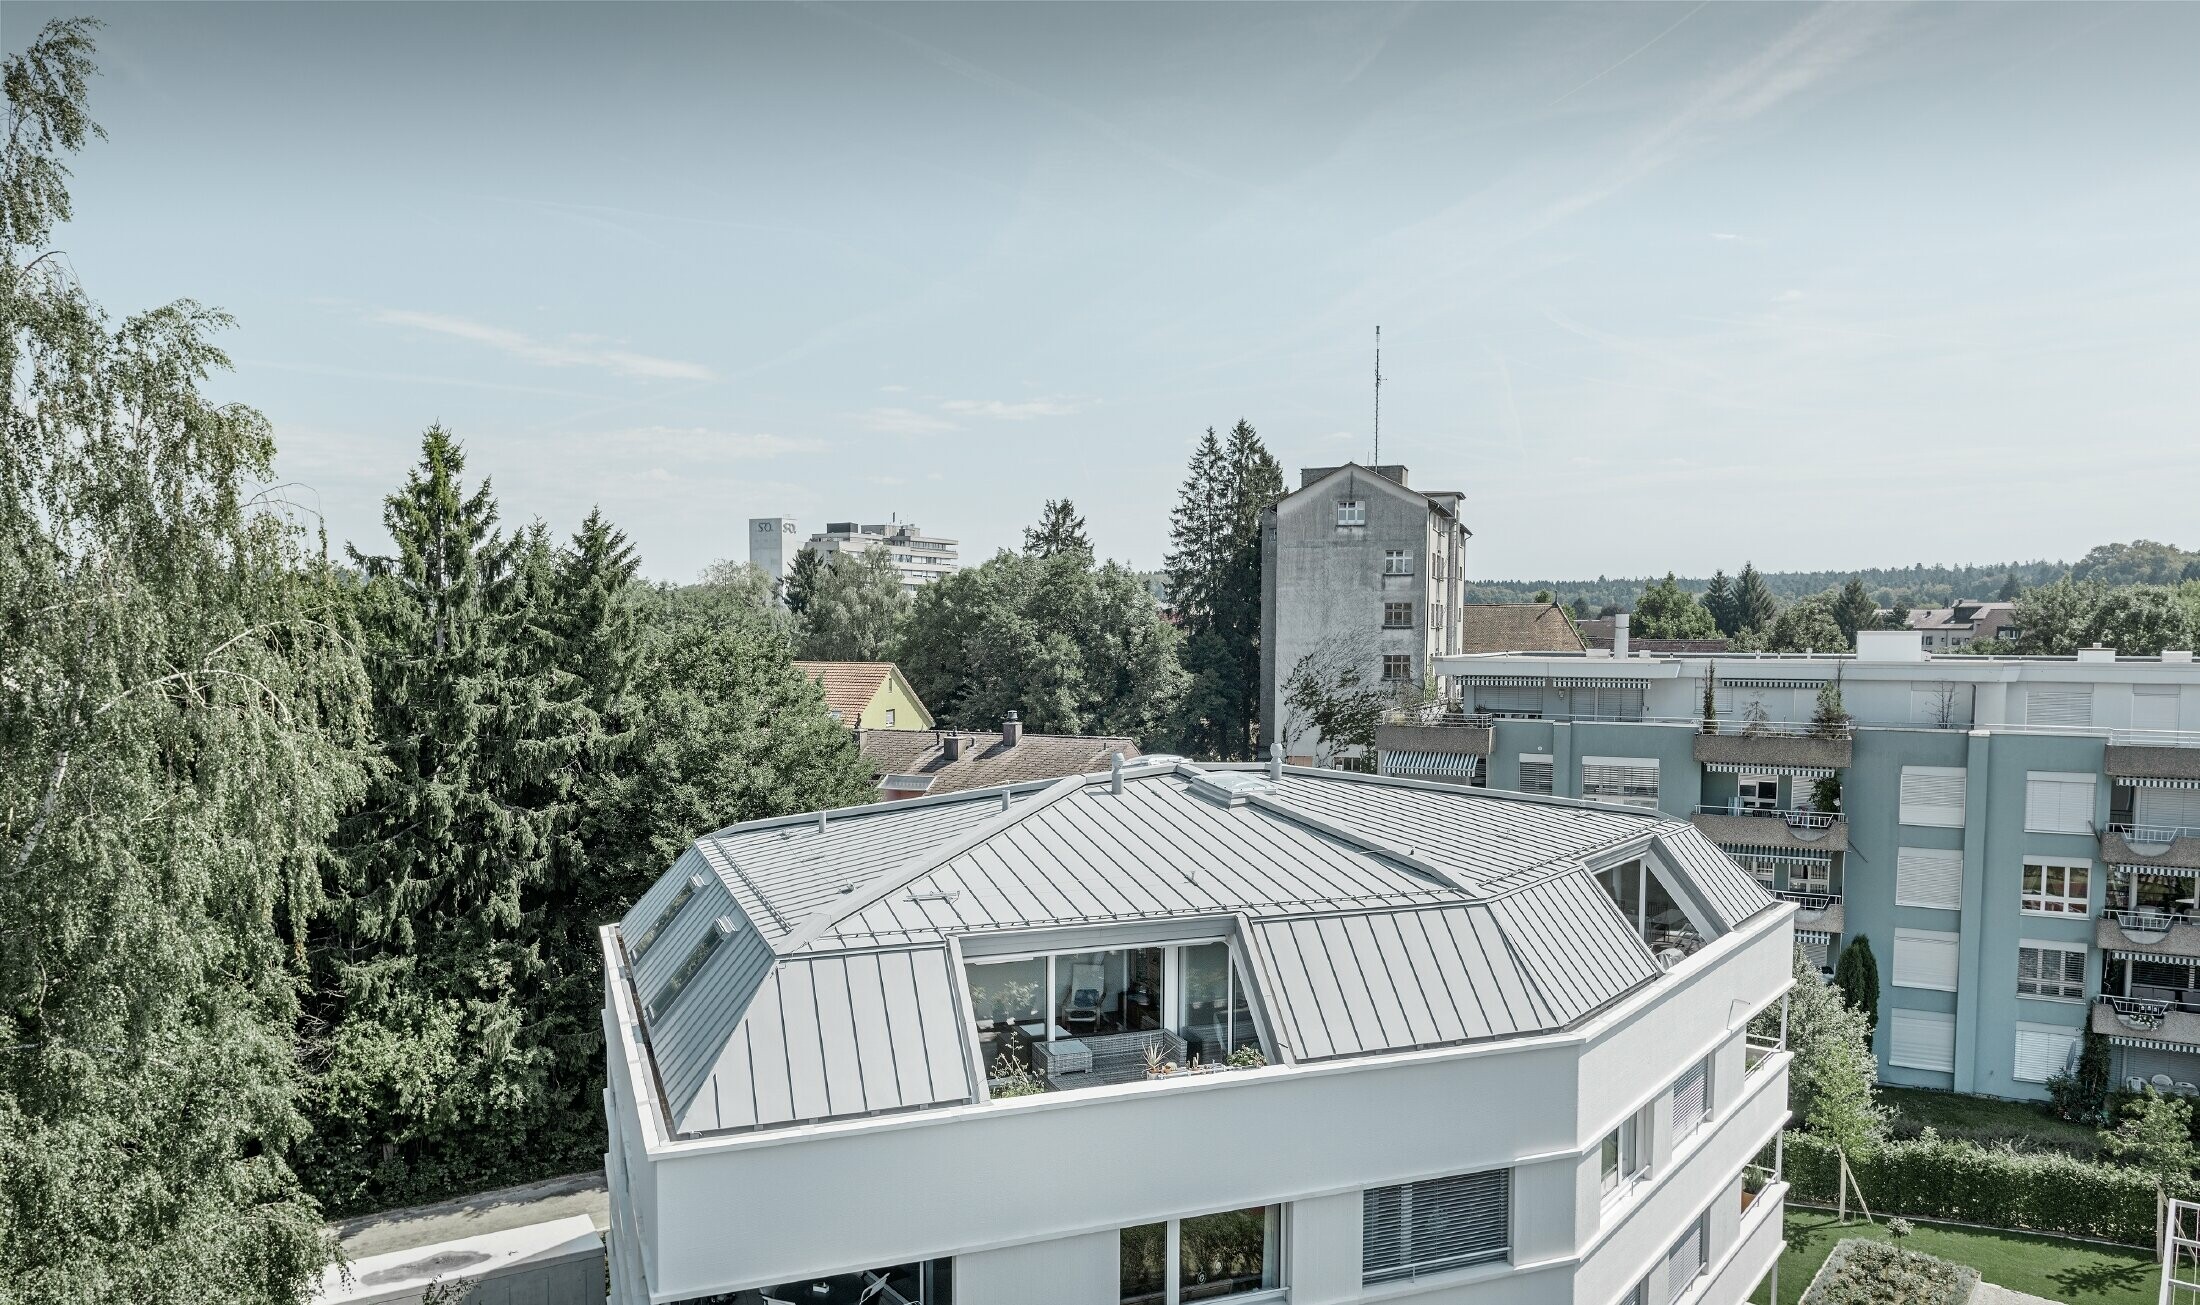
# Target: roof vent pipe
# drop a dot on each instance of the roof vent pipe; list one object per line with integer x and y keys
{"x": 951, "y": 746}
{"x": 1012, "y": 731}
{"x": 1275, "y": 760}
{"x": 1115, "y": 774}
{"x": 1006, "y": 801}
{"x": 1619, "y": 634}
{"x": 820, "y": 822}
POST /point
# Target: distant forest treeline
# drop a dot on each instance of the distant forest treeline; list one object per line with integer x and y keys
{"x": 1917, "y": 585}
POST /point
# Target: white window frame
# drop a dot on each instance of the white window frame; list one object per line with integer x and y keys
{"x": 1921, "y": 956}
{"x": 1391, "y": 603}
{"x": 1751, "y": 792}
{"x": 1351, "y": 512}
{"x": 1683, "y": 1129}
{"x": 1172, "y": 1273}
{"x": 1623, "y": 1157}
{"x": 1629, "y": 781}
{"x": 2054, "y": 897}
{"x": 1549, "y": 771}
{"x": 2060, "y": 988}
{"x": 1397, "y": 561}
{"x": 2058, "y": 802}
{"x": 1412, "y": 1269}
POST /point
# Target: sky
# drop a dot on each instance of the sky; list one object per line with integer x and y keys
{"x": 1660, "y": 286}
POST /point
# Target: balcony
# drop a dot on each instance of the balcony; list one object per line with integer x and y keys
{"x": 2159, "y": 933}
{"x": 1437, "y": 727}
{"x": 2151, "y": 1018}
{"x": 1820, "y": 912}
{"x": 2153, "y": 754}
{"x": 1803, "y": 745}
{"x": 1730, "y": 824}
{"x": 2143, "y": 846}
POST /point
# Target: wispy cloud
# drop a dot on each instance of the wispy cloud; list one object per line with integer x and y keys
{"x": 572, "y": 351}
{"x": 703, "y": 442}
{"x": 1004, "y": 411}
{"x": 902, "y": 421}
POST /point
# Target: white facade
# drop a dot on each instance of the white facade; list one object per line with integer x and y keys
{"x": 918, "y": 558}
{"x": 1015, "y": 1201}
{"x": 772, "y": 545}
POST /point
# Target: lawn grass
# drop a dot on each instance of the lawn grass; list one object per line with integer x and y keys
{"x": 1987, "y": 1120}
{"x": 2079, "y": 1273}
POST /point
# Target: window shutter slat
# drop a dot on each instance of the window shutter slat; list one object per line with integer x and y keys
{"x": 2042, "y": 1051}
{"x": 2060, "y": 705}
{"x": 1925, "y": 958}
{"x": 1928, "y": 876}
{"x": 1933, "y": 795}
{"x": 1439, "y": 1223}
{"x": 1923, "y": 1040}
{"x": 2058, "y": 803}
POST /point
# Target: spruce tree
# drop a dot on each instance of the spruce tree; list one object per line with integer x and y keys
{"x": 179, "y": 728}
{"x": 1754, "y": 606}
{"x": 434, "y": 1076}
{"x": 1195, "y": 576}
{"x": 1060, "y": 530}
{"x": 1718, "y": 598}
{"x": 1854, "y": 610}
{"x": 801, "y": 581}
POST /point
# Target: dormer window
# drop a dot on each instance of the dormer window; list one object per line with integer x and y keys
{"x": 642, "y": 944}
{"x": 691, "y": 967}
{"x": 1351, "y": 512}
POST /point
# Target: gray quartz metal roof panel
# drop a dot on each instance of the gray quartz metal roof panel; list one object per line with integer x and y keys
{"x": 1360, "y": 983}
{"x": 1495, "y": 841}
{"x": 835, "y": 1036}
{"x": 1731, "y": 892}
{"x": 1150, "y": 851}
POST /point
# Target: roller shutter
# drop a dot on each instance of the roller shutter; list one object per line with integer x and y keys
{"x": 2042, "y": 1051}
{"x": 1933, "y": 795}
{"x": 1922, "y": 1040}
{"x": 2059, "y": 704}
{"x": 1925, "y": 958}
{"x": 1439, "y": 1223}
{"x": 2058, "y": 802}
{"x": 1928, "y": 876}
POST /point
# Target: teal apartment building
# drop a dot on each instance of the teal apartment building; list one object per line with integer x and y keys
{"x": 2018, "y": 837}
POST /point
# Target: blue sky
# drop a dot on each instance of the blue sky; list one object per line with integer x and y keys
{"x": 1660, "y": 286}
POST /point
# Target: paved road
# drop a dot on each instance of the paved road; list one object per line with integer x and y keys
{"x": 484, "y": 1212}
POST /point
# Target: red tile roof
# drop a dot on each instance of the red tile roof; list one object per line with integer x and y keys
{"x": 849, "y": 686}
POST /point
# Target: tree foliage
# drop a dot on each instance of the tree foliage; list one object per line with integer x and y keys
{"x": 1755, "y": 607}
{"x": 1332, "y": 694}
{"x": 178, "y": 730}
{"x": 1831, "y": 1079}
{"x": 1666, "y": 611}
{"x": 1809, "y": 625}
{"x": 1072, "y": 647}
{"x": 2140, "y": 562}
{"x": 1060, "y": 530}
{"x": 2155, "y": 1134}
{"x": 801, "y": 580}
{"x": 1856, "y": 975}
{"x": 1854, "y": 610}
{"x": 855, "y": 609}
{"x": 1214, "y": 573}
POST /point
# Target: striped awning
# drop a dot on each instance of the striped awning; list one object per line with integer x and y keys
{"x": 1814, "y": 936}
{"x": 2126, "y": 954}
{"x": 1785, "y": 854}
{"x": 2154, "y": 781}
{"x": 1772, "y": 684}
{"x": 2156, "y": 871}
{"x": 1747, "y": 768}
{"x": 1558, "y": 681}
{"x": 1450, "y": 765}
{"x": 2150, "y": 1044}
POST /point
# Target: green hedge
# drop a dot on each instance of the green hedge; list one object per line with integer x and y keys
{"x": 1947, "y": 1178}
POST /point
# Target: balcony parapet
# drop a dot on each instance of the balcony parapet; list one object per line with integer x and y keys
{"x": 2137, "y": 1019}
{"x": 1817, "y": 752}
{"x": 2179, "y": 760}
{"x": 2145, "y": 847}
{"x": 1817, "y": 912}
{"x": 1467, "y": 738}
{"x": 1810, "y": 831}
{"x": 2154, "y": 933}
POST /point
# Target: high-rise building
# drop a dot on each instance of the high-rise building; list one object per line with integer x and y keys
{"x": 1177, "y": 1033}
{"x": 918, "y": 557}
{"x": 2018, "y": 837}
{"x": 772, "y": 545}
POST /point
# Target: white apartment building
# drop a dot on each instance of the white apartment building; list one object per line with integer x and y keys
{"x": 772, "y": 545}
{"x": 1180, "y": 1033}
{"x": 919, "y": 558}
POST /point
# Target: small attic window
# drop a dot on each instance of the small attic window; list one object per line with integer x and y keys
{"x": 642, "y": 944}
{"x": 690, "y": 967}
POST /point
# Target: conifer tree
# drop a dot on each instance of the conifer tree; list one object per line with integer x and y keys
{"x": 1214, "y": 571}
{"x": 1718, "y": 599}
{"x": 433, "y": 1075}
{"x": 1856, "y": 974}
{"x": 801, "y": 582}
{"x": 1854, "y": 610}
{"x": 1060, "y": 530}
{"x": 179, "y": 729}
{"x": 1754, "y": 605}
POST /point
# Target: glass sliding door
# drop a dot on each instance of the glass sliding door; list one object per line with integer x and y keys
{"x": 1206, "y": 1257}
{"x": 1008, "y": 1002}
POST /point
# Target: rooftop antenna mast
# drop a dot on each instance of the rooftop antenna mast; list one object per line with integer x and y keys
{"x": 1378, "y": 396}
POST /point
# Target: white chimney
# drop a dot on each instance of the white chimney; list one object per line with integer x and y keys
{"x": 1890, "y": 646}
{"x": 1012, "y": 731}
{"x": 1619, "y": 635}
{"x": 2096, "y": 654}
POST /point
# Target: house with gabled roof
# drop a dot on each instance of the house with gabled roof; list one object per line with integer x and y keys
{"x": 1179, "y": 1031}
{"x": 868, "y": 695}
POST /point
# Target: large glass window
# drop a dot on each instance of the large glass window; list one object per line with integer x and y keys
{"x": 1102, "y": 1011}
{"x": 1206, "y": 1257}
{"x": 1216, "y": 1019}
{"x": 1008, "y": 999}
{"x": 926, "y": 1282}
{"x": 1626, "y": 1153}
{"x": 2056, "y": 889}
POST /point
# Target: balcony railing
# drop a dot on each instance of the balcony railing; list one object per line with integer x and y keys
{"x": 1809, "y": 901}
{"x": 1436, "y": 713}
{"x": 1792, "y": 817}
{"x": 2151, "y": 834}
{"x": 1756, "y": 1051}
{"x": 2143, "y": 1013}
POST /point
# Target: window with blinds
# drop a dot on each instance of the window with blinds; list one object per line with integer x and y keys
{"x": 2058, "y": 802}
{"x": 1925, "y": 958}
{"x": 1535, "y": 773}
{"x": 1630, "y": 780}
{"x": 1510, "y": 699}
{"x": 1684, "y": 1263}
{"x": 1928, "y": 876}
{"x": 2167, "y": 808}
{"x": 1922, "y": 1040}
{"x": 1691, "y": 1099}
{"x": 1439, "y": 1223}
{"x": 1605, "y": 701}
{"x": 1933, "y": 795}
{"x": 2154, "y": 707}
{"x": 2042, "y": 1051}
{"x": 2059, "y": 704}
{"x": 2051, "y": 970}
